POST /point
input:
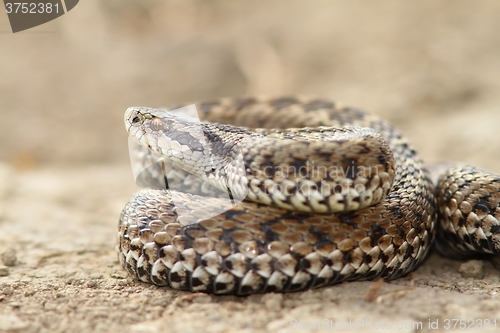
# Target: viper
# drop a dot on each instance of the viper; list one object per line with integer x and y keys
{"x": 290, "y": 193}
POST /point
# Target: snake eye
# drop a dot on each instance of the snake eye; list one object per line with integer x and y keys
{"x": 157, "y": 124}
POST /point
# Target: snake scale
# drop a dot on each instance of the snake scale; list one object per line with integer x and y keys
{"x": 331, "y": 194}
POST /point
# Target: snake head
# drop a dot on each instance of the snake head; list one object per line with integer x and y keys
{"x": 164, "y": 132}
{"x": 185, "y": 142}
{"x": 201, "y": 149}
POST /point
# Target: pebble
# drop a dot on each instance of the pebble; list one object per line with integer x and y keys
{"x": 9, "y": 257}
{"x": 4, "y": 271}
{"x": 472, "y": 269}
{"x": 30, "y": 291}
{"x": 8, "y": 291}
{"x": 92, "y": 284}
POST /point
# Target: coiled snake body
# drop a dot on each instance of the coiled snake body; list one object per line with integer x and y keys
{"x": 331, "y": 193}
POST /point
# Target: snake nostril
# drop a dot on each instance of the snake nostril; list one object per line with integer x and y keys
{"x": 136, "y": 119}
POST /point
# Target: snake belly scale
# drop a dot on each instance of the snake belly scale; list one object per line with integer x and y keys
{"x": 274, "y": 241}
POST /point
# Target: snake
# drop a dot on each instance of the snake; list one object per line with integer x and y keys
{"x": 290, "y": 193}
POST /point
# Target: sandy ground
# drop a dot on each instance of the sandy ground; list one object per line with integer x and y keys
{"x": 432, "y": 68}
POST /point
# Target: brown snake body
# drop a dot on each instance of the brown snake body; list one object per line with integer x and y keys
{"x": 318, "y": 229}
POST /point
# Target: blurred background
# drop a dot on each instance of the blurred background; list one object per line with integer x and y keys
{"x": 430, "y": 67}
